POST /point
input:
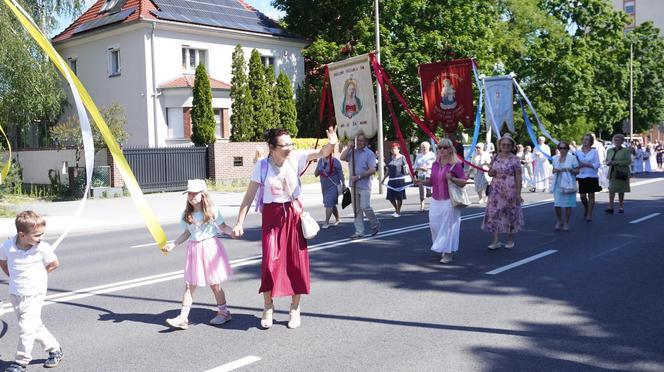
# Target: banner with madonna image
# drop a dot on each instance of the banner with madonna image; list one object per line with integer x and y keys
{"x": 499, "y": 102}
{"x": 353, "y": 96}
{"x": 447, "y": 93}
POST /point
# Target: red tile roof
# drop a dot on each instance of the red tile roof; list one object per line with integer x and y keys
{"x": 187, "y": 81}
{"x": 143, "y": 12}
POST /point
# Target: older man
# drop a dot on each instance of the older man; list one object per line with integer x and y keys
{"x": 423, "y": 162}
{"x": 363, "y": 162}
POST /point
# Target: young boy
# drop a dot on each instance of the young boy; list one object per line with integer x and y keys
{"x": 26, "y": 259}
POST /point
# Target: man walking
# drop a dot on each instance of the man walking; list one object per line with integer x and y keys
{"x": 362, "y": 163}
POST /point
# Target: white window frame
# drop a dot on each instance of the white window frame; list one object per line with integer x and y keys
{"x": 268, "y": 61}
{"x": 198, "y": 53}
{"x": 72, "y": 61}
{"x": 109, "y": 52}
{"x": 108, "y": 5}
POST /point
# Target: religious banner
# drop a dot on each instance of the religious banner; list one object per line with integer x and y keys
{"x": 447, "y": 93}
{"x": 499, "y": 102}
{"x": 353, "y": 96}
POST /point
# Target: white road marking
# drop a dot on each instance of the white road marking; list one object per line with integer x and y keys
{"x": 235, "y": 364}
{"x": 609, "y": 251}
{"x": 522, "y": 262}
{"x": 645, "y": 218}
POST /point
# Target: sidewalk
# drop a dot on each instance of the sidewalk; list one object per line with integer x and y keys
{"x": 119, "y": 213}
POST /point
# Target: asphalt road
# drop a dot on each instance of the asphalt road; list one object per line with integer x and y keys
{"x": 589, "y": 299}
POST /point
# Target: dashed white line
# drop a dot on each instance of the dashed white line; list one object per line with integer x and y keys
{"x": 235, "y": 364}
{"x": 521, "y": 262}
{"x": 645, "y": 218}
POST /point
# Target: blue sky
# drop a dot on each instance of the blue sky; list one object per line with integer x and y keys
{"x": 262, "y": 5}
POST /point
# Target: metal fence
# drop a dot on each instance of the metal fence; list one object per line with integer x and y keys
{"x": 167, "y": 168}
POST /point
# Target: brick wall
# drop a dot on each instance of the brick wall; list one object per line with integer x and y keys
{"x": 222, "y": 157}
{"x": 115, "y": 176}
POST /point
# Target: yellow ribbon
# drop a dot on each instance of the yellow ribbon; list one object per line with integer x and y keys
{"x": 130, "y": 181}
{"x": 5, "y": 169}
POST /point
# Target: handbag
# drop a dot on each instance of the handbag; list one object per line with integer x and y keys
{"x": 458, "y": 195}
{"x": 567, "y": 183}
{"x": 309, "y": 225}
{"x": 618, "y": 173}
{"x": 347, "y": 198}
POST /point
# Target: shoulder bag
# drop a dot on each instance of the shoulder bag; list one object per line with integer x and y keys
{"x": 458, "y": 194}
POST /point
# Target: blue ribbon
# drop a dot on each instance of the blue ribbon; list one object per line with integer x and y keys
{"x": 478, "y": 114}
{"x": 529, "y": 128}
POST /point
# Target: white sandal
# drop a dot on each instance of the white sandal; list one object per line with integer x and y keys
{"x": 266, "y": 319}
{"x": 294, "y": 321}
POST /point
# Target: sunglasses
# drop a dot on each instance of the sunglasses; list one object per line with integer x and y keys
{"x": 563, "y": 148}
{"x": 286, "y": 145}
{"x": 443, "y": 147}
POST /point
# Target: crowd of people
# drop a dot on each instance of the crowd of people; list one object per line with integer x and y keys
{"x": 275, "y": 186}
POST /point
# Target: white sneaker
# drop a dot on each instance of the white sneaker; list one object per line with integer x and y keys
{"x": 396, "y": 215}
{"x": 266, "y": 319}
{"x": 221, "y": 318}
{"x": 294, "y": 321}
{"x": 325, "y": 226}
{"x": 178, "y": 322}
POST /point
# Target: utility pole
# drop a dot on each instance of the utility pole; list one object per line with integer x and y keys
{"x": 379, "y": 109}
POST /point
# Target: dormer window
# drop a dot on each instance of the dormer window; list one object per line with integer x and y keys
{"x": 112, "y": 6}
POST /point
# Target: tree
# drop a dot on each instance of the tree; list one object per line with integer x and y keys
{"x": 648, "y": 76}
{"x": 287, "y": 112}
{"x": 263, "y": 114}
{"x": 202, "y": 113}
{"x": 272, "y": 100}
{"x": 30, "y": 89}
{"x": 68, "y": 132}
{"x": 242, "y": 119}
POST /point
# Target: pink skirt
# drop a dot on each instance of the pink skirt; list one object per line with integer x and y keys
{"x": 207, "y": 263}
{"x": 285, "y": 263}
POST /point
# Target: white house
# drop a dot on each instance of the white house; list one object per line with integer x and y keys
{"x": 143, "y": 54}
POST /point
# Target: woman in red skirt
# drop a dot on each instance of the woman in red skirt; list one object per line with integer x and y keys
{"x": 275, "y": 184}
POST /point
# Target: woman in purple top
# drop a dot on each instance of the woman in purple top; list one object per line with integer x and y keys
{"x": 503, "y": 210}
{"x": 444, "y": 218}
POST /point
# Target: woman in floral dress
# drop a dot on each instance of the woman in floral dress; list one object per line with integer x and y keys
{"x": 503, "y": 210}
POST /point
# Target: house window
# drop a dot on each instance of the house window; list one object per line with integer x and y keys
{"x": 267, "y": 61}
{"x": 629, "y": 7}
{"x": 114, "y": 65}
{"x": 73, "y": 62}
{"x": 175, "y": 122}
{"x": 219, "y": 122}
{"x": 109, "y": 5}
{"x": 191, "y": 58}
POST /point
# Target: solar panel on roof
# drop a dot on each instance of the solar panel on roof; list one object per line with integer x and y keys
{"x": 217, "y": 13}
{"x": 104, "y": 21}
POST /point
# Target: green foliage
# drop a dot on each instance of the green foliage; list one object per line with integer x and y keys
{"x": 242, "y": 120}
{"x": 202, "y": 114}
{"x": 286, "y": 109}
{"x": 648, "y": 76}
{"x": 262, "y": 110}
{"x": 13, "y": 183}
{"x": 272, "y": 99}
{"x": 68, "y": 132}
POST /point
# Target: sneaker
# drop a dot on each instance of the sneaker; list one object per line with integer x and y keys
{"x": 54, "y": 358}
{"x": 178, "y": 322}
{"x": 336, "y": 223}
{"x": 396, "y": 215}
{"x": 15, "y": 367}
{"x": 494, "y": 246}
{"x": 221, "y": 318}
{"x": 356, "y": 236}
{"x": 294, "y": 321}
{"x": 266, "y": 319}
{"x": 325, "y": 226}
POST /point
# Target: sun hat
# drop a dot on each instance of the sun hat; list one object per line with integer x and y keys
{"x": 195, "y": 186}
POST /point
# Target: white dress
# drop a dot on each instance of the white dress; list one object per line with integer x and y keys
{"x": 542, "y": 168}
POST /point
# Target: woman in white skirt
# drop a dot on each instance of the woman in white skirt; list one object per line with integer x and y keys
{"x": 445, "y": 219}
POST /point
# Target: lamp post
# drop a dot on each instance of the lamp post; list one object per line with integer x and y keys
{"x": 631, "y": 90}
{"x": 379, "y": 109}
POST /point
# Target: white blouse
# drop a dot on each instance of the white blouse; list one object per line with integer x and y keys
{"x": 591, "y": 157}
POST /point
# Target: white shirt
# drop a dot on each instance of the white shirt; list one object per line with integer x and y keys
{"x": 591, "y": 157}
{"x": 425, "y": 161}
{"x": 27, "y": 268}
{"x": 540, "y": 155}
{"x": 281, "y": 182}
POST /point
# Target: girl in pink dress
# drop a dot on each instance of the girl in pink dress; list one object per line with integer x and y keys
{"x": 503, "y": 209}
{"x": 207, "y": 262}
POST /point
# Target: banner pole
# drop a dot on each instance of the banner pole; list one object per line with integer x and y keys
{"x": 352, "y": 174}
{"x": 379, "y": 108}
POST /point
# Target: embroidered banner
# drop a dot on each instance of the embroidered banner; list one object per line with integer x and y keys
{"x": 353, "y": 96}
{"x": 447, "y": 93}
{"x": 499, "y": 98}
